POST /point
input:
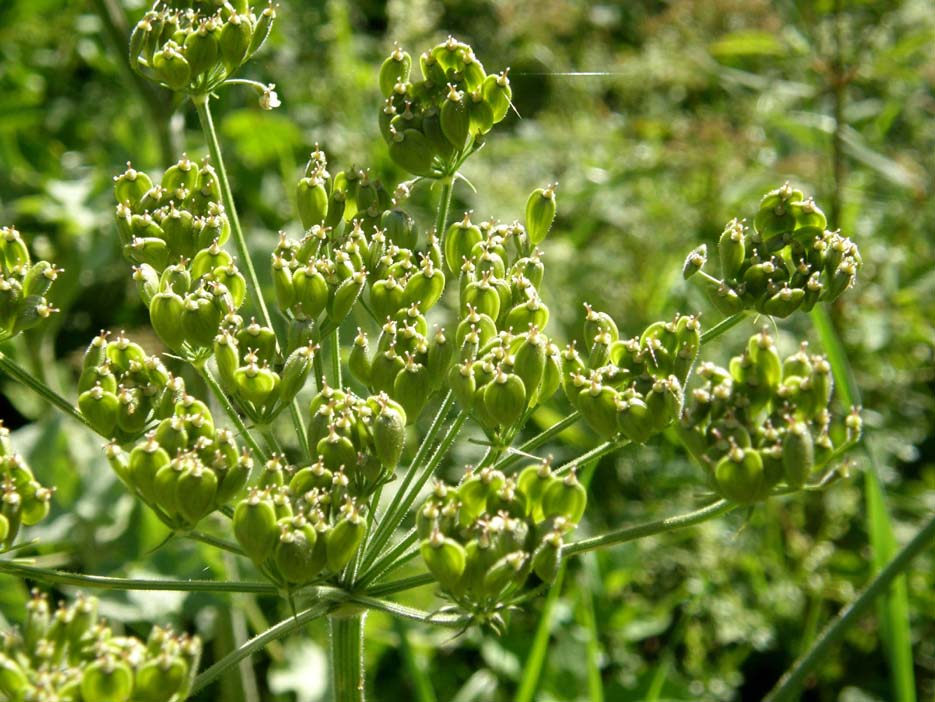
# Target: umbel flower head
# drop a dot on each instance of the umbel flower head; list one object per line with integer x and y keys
{"x": 487, "y": 538}
{"x": 70, "y": 655}
{"x": 764, "y": 421}
{"x": 788, "y": 262}
{"x": 193, "y": 47}
{"x": 431, "y": 125}
{"x": 23, "y": 500}
{"x": 23, "y": 286}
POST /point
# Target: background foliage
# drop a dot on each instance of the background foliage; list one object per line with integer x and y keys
{"x": 660, "y": 120}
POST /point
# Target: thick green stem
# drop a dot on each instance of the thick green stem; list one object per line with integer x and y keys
{"x": 300, "y": 432}
{"x": 347, "y": 657}
{"x": 215, "y": 541}
{"x": 643, "y": 530}
{"x": 792, "y": 680}
{"x": 214, "y": 148}
{"x": 12, "y": 369}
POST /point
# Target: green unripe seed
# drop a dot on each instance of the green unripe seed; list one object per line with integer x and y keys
{"x": 540, "y": 213}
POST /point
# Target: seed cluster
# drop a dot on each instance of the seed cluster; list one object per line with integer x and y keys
{"x": 123, "y": 390}
{"x": 302, "y": 523}
{"x": 71, "y": 655}
{"x": 485, "y": 537}
{"x": 432, "y": 125}
{"x": 507, "y": 365}
{"x": 195, "y": 49}
{"x": 174, "y": 232}
{"x": 23, "y": 500}
{"x": 788, "y": 262}
{"x": 23, "y": 286}
{"x": 630, "y": 387}
{"x": 184, "y": 467}
{"x": 763, "y": 421}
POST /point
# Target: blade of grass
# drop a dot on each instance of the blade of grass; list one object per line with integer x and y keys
{"x": 586, "y": 612}
{"x": 535, "y": 661}
{"x": 893, "y": 609}
{"x": 788, "y": 686}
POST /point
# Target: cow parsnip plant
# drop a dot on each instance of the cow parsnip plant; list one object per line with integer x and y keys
{"x": 452, "y": 330}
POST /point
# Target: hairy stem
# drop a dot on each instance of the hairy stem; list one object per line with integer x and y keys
{"x": 214, "y": 148}
{"x": 597, "y": 452}
{"x": 347, "y": 657}
{"x": 514, "y": 455}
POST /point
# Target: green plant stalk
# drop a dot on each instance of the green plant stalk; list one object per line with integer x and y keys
{"x": 724, "y": 325}
{"x": 100, "y": 582}
{"x": 619, "y": 536}
{"x": 378, "y": 539}
{"x": 401, "y": 585}
{"x": 336, "y": 381}
{"x": 406, "y": 500}
{"x": 214, "y": 148}
{"x": 215, "y": 387}
{"x": 383, "y": 563}
{"x": 893, "y": 609}
{"x": 430, "y": 467}
{"x": 597, "y": 452}
{"x": 215, "y": 541}
{"x": 791, "y": 681}
{"x": 12, "y": 369}
{"x": 257, "y": 643}
{"x": 444, "y": 203}
{"x": 300, "y": 432}
{"x": 347, "y": 657}
{"x": 535, "y": 442}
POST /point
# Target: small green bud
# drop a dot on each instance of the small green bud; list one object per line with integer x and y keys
{"x": 107, "y": 680}
{"x": 798, "y": 454}
{"x": 412, "y": 152}
{"x": 255, "y": 526}
{"x": 171, "y": 67}
{"x": 444, "y": 557}
{"x": 731, "y": 249}
{"x": 540, "y": 213}
{"x": 395, "y": 69}
{"x": 505, "y": 398}
{"x": 565, "y": 498}
{"x": 234, "y": 41}
{"x": 695, "y": 261}
{"x": 344, "y": 539}
{"x": 740, "y": 477}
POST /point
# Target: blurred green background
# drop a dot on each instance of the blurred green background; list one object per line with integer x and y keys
{"x": 661, "y": 121}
